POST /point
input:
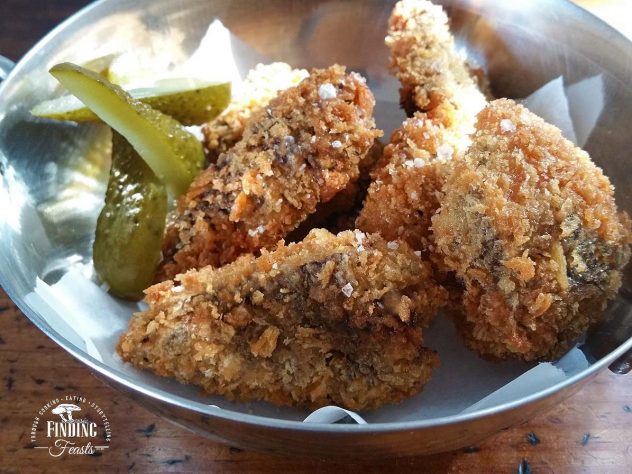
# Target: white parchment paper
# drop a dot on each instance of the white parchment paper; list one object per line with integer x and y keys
{"x": 83, "y": 313}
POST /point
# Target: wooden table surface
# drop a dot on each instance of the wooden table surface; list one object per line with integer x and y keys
{"x": 591, "y": 432}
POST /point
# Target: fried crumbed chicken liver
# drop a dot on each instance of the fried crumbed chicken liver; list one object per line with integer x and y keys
{"x": 530, "y": 225}
{"x": 407, "y": 183}
{"x": 262, "y": 84}
{"x": 301, "y": 150}
{"x": 330, "y": 320}
{"x": 435, "y": 78}
{"x": 437, "y": 84}
{"x": 341, "y": 212}
{"x": 406, "y": 191}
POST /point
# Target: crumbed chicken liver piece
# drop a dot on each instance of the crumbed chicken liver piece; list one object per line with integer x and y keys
{"x": 330, "y": 320}
{"x": 301, "y": 150}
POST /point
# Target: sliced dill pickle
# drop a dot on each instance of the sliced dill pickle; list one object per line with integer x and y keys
{"x": 130, "y": 228}
{"x": 173, "y": 154}
{"x": 100, "y": 65}
{"x": 189, "y": 101}
{"x": 66, "y": 107}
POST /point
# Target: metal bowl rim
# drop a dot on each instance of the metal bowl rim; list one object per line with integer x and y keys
{"x": 267, "y": 422}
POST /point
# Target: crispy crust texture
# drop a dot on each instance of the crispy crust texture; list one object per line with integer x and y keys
{"x": 330, "y": 320}
{"x": 444, "y": 96}
{"x": 529, "y": 224}
{"x": 407, "y": 182}
{"x": 341, "y": 212}
{"x": 434, "y": 77}
{"x": 301, "y": 150}
{"x": 261, "y": 85}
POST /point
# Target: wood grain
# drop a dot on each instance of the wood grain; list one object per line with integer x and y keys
{"x": 591, "y": 432}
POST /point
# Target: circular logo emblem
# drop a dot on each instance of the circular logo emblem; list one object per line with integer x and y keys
{"x": 71, "y": 425}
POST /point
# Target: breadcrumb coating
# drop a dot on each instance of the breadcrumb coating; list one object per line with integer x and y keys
{"x": 301, "y": 150}
{"x": 341, "y": 212}
{"x": 261, "y": 85}
{"x": 407, "y": 182}
{"x": 434, "y": 77}
{"x": 530, "y": 225}
{"x": 330, "y": 320}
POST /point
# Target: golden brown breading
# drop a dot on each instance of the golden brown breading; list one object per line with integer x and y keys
{"x": 435, "y": 78}
{"x": 301, "y": 150}
{"x": 530, "y": 225}
{"x": 330, "y": 320}
{"x": 407, "y": 183}
{"x": 406, "y": 192}
{"x": 408, "y": 179}
{"x": 341, "y": 212}
{"x": 327, "y": 214}
{"x": 261, "y": 85}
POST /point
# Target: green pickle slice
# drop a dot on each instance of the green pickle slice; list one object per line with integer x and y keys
{"x": 130, "y": 227}
{"x": 172, "y": 153}
{"x": 189, "y": 101}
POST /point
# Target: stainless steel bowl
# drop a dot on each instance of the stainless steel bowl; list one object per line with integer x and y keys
{"x": 47, "y": 219}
